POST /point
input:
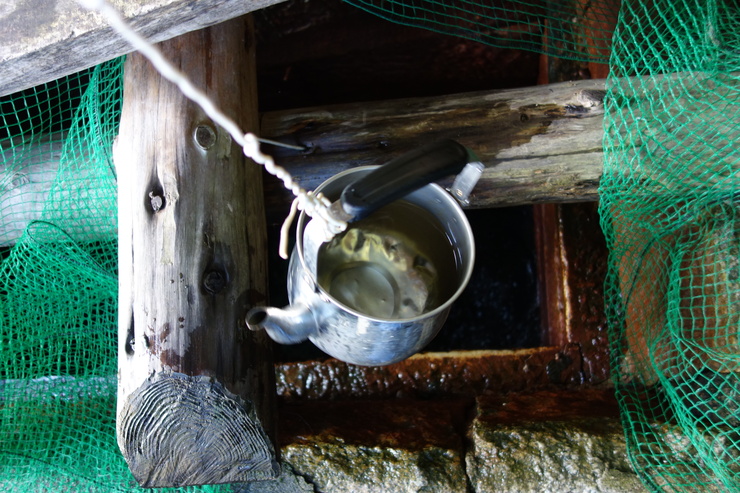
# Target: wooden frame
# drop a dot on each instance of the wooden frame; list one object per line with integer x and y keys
{"x": 40, "y": 43}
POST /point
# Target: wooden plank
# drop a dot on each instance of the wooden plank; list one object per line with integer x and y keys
{"x": 43, "y": 40}
{"x": 26, "y": 177}
{"x": 196, "y": 397}
{"x": 572, "y": 261}
{"x": 539, "y": 144}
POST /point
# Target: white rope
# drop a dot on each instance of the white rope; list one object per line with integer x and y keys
{"x": 315, "y": 205}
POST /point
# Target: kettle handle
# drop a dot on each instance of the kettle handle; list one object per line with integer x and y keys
{"x": 404, "y": 175}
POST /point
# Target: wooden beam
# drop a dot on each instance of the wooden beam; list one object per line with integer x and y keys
{"x": 196, "y": 396}
{"x": 433, "y": 375}
{"x": 539, "y": 144}
{"x": 27, "y": 178}
{"x": 43, "y": 40}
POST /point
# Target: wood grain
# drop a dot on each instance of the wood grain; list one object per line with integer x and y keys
{"x": 539, "y": 144}
{"x": 192, "y": 260}
{"x": 41, "y": 40}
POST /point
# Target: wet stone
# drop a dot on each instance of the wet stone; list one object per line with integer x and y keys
{"x": 549, "y": 441}
{"x": 376, "y": 446}
{"x": 287, "y": 482}
{"x": 335, "y": 467}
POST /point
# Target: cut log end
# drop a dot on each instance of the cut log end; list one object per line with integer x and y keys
{"x": 177, "y": 430}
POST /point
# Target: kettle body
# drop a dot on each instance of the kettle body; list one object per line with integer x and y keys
{"x": 348, "y": 334}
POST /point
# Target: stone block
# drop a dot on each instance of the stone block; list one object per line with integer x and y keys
{"x": 376, "y": 446}
{"x": 564, "y": 441}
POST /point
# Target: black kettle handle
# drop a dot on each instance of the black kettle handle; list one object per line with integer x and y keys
{"x": 403, "y": 175}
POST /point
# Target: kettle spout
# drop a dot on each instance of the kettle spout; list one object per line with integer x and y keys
{"x": 289, "y": 325}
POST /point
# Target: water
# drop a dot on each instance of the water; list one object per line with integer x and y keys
{"x": 398, "y": 263}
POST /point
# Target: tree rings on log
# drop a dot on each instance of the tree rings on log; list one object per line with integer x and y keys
{"x": 214, "y": 435}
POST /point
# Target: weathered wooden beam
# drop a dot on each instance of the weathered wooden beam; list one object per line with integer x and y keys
{"x": 196, "y": 393}
{"x": 43, "y": 40}
{"x": 26, "y": 177}
{"x": 539, "y": 144}
{"x": 433, "y": 375}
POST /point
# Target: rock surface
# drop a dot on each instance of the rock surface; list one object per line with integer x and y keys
{"x": 400, "y": 446}
{"x": 545, "y": 441}
{"x": 287, "y": 482}
{"x": 549, "y": 442}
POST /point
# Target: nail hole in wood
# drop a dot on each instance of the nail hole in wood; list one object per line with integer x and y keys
{"x": 205, "y": 136}
{"x": 156, "y": 202}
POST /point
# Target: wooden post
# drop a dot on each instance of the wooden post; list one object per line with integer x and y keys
{"x": 196, "y": 388}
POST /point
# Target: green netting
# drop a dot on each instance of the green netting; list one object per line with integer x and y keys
{"x": 669, "y": 208}
{"x": 58, "y": 287}
{"x": 668, "y": 204}
{"x": 573, "y": 29}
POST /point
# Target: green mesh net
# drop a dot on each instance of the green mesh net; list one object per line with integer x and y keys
{"x": 577, "y": 30}
{"x": 58, "y": 287}
{"x": 668, "y": 207}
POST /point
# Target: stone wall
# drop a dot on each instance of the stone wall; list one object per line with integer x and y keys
{"x": 542, "y": 441}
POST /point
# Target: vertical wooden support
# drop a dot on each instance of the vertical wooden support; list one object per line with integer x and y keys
{"x": 572, "y": 261}
{"x": 196, "y": 388}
